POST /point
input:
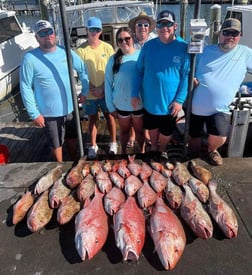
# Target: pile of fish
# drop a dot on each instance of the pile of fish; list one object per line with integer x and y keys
{"x": 139, "y": 196}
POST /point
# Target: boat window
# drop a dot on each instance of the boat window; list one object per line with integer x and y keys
{"x": 9, "y": 28}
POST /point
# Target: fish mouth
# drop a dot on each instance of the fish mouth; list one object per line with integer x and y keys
{"x": 131, "y": 255}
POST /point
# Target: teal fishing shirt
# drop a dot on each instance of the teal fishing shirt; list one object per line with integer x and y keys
{"x": 162, "y": 71}
{"x": 45, "y": 82}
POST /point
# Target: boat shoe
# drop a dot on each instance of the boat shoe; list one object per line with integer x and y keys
{"x": 215, "y": 158}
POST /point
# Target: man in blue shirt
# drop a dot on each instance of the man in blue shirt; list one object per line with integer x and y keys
{"x": 220, "y": 70}
{"x": 162, "y": 70}
{"x": 45, "y": 88}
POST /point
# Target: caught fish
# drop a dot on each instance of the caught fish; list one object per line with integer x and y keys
{"x": 103, "y": 181}
{"x": 75, "y": 177}
{"x": 173, "y": 194}
{"x": 112, "y": 200}
{"x": 200, "y": 172}
{"x": 129, "y": 229}
{"x": 156, "y": 166}
{"x": 222, "y": 213}
{"x": 134, "y": 167}
{"x": 117, "y": 179}
{"x": 40, "y": 213}
{"x": 167, "y": 234}
{"x": 95, "y": 168}
{"x": 21, "y": 207}
{"x": 86, "y": 188}
{"x": 91, "y": 228}
{"x": 58, "y": 192}
{"x": 132, "y": 184}
{"x": 199, "y": 189}
{"x": 146, "y": 171}
{"x": 158, "y": 181}
{"x": 123, "y": 171}
{"x": 85, "y": 170}
{"x": 48, "y": 180}
{"x": 68, "y": 208}
{"x": 180, "y": 174}
{"x": 169, "y": 165}
{"x": 193, "y": 213}
{"x": 107, "y": 167}
{"x": 146, "y": 196}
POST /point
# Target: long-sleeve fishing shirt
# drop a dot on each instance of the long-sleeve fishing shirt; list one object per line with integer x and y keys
{"x": 45, "y": 82}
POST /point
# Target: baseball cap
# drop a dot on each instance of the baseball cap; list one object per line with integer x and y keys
{"x": 231, "y": 24}
{"x": 41, "y": 25}
{"x": 166, "y": 15}
{"x": 94, "y": 22}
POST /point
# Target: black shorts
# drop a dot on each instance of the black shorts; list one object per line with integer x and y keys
{"x": 217, "y": 124}
{"x": 164, "y": 123}
{"x": 60, "y": 128}
{"x": 125, "y": 114}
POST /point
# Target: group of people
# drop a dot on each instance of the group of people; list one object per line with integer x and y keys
{"x": 143, "y": 84}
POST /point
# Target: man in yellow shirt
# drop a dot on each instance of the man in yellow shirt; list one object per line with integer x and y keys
{"x": 95, "y": 54}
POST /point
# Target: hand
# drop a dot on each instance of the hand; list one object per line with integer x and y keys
{"x": 176, "y": 108}
{"x": 39, "y": 121}
{"x": 135, "y": 102}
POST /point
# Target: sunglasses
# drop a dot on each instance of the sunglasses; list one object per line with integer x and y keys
{"x": 126, "y": 39}
{"x": 45, "y": 33}
{"x": 94, "y": 30}
{"x": 167, "y": 24}
{"x": 230, "y": 33}
{"x": 140, "y": 25}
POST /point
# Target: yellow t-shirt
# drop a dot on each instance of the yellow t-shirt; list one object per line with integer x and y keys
{"x": 96, "y": 61}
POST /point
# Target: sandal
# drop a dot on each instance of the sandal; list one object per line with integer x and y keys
{"x": 130, "y": 143}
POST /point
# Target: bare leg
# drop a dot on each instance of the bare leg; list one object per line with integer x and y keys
{"x": 164, "y": 140}
{"x": 111, "y": 126}
{"x": 92, "y": 128}
{"x": 215, "y": 142}
{"x": 154, "y": 136}
{"x": 125, "y": 126}
{"x": 139, "y": 132}
{"x": 57, "y": 153}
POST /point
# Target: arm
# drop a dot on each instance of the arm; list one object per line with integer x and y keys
{"x": 109, "y": 83}
{"x": 26, "y": 87}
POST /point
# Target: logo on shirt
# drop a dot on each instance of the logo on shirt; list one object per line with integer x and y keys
{"x": 176, "y": 59}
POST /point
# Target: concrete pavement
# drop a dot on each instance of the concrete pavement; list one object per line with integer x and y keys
{"x": 52, "y": 250}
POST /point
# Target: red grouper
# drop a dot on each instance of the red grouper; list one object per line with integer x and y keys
{"x": 167, "y": 233}
{"x": 129, "y": 229}
{"x": 222, "y": 212}
{"x": 91, "y": 227}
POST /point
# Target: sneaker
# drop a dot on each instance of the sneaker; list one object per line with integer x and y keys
{"x": 92, "y": 151}
{"x": 215, "y": 158}
{"x": 164, "y": 155}
{"x": 113, "y": 148}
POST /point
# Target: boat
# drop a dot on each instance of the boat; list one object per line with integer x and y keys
{"x": 15, "y": 40}
{"x": 113, "y": 14}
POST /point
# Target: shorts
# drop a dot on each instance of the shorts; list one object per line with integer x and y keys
{"x": 217, "y": 125}
{"x": 164, "y": 123}
{"x": 125, "y": 114}
{"x": 93, "y": 106}
{"x": 60, "y": 128}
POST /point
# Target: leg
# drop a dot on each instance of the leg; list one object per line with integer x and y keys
{"x": 154, "y": 137}
{"x": 57, "y": 154}
{"x": 92, "y": 128}
{"x": 111, "y": 126}
{"x": 164, "y": 140}
{"x": 137, "y": 122}
{"x": 125, "y": 126}
{"x": 132, "y": 137}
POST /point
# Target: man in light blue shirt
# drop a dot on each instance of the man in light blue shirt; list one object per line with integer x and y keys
{"x": 45, "y": 88}
{"x": 220, "y": 71}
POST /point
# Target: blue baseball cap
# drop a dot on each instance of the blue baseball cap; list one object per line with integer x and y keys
{"x": 94, "y": 22}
